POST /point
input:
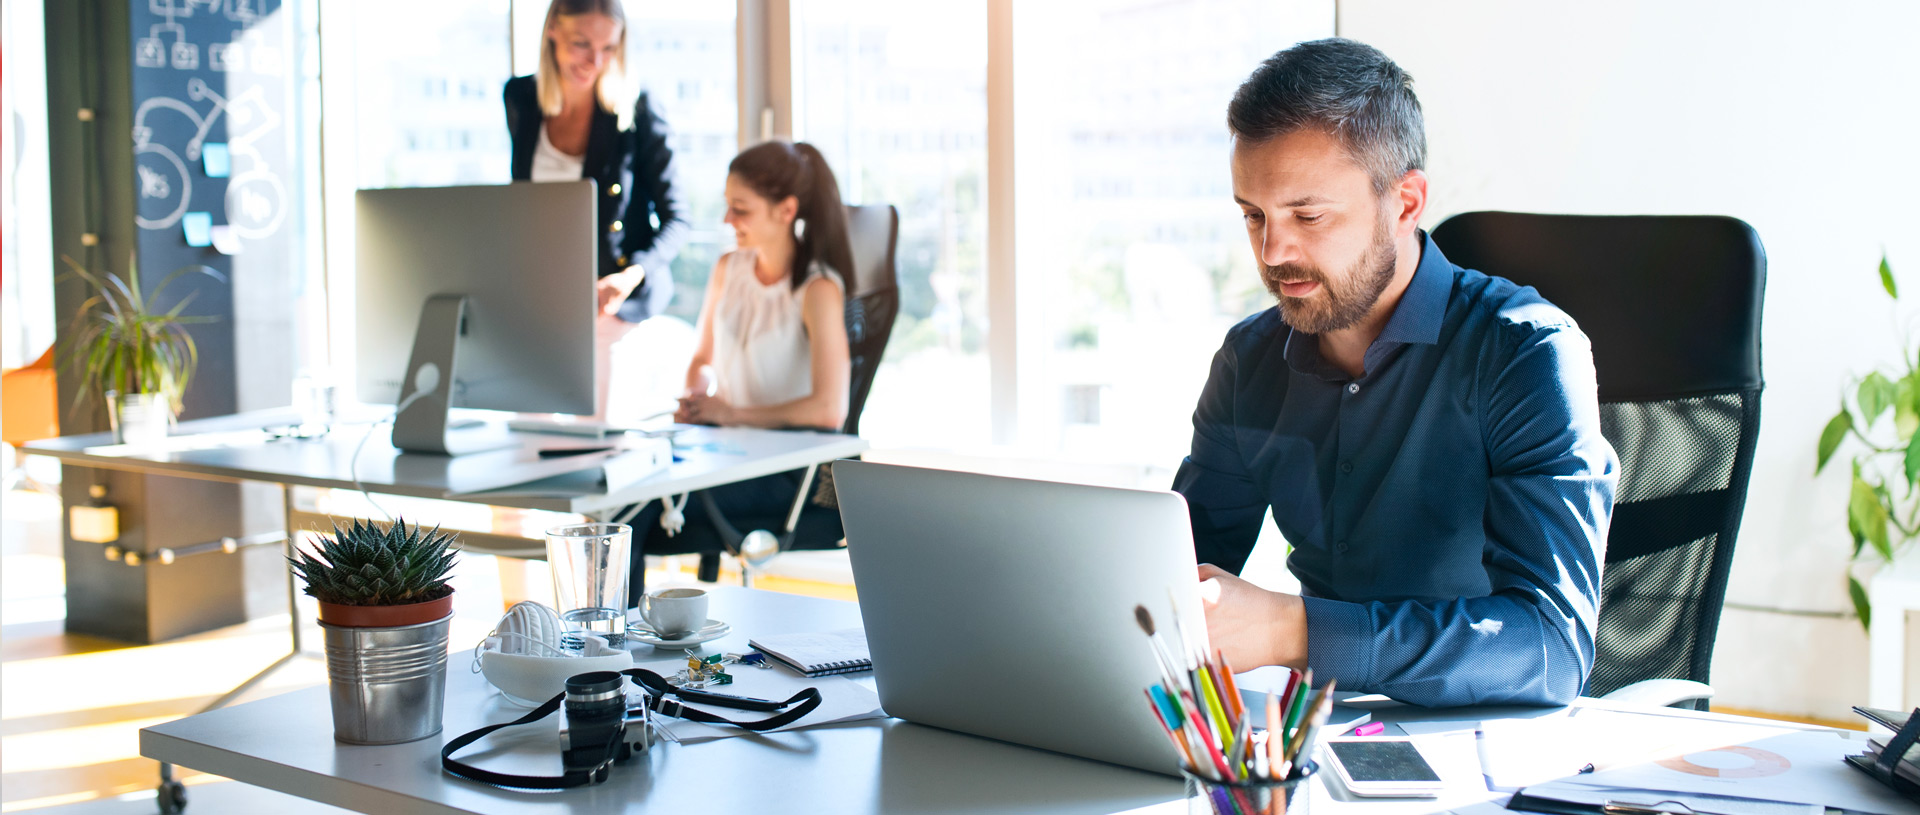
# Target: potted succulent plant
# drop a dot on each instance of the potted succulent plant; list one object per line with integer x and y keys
{"x": 136, "y": 358}
{"x": 385, "y": 607}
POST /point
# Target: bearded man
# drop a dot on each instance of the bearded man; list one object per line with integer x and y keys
{"x": 1427, "y": 437}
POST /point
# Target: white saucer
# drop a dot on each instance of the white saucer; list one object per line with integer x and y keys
{"x": 643, "y": 633}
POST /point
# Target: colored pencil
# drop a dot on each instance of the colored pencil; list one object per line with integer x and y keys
{"x": 1233, "y": 687}
{"x": 1160, "y": 712}
{"x": 1274, "y": 735}
{"x": 1222, "y": 728}
{"x": 1213, "y": 752}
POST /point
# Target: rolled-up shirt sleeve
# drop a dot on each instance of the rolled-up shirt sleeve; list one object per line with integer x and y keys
{"x": 1550, "y": 491}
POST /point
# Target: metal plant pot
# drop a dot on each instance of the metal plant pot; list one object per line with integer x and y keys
{"x": 139, "y": 418}
{"x": 388, "y": 685}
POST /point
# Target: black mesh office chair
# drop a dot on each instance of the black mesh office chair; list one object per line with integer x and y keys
{"x": 1672, "y": 305}
{"x": 874, "y": 232}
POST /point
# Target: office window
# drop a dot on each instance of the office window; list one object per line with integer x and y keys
{"x": 1126, "y": 211}
{"x": 894, "y": 94}
{"x": 427, "y": 82}
{"x": 682, "y": 55}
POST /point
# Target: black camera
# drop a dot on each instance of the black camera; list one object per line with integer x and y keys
{"x": 595, "y": 732}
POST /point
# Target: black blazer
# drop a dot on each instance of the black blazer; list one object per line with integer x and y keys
{"x": 640, "y": 215}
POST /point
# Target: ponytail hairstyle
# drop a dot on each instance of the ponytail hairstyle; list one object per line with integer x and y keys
{"x": 777, "y": 169}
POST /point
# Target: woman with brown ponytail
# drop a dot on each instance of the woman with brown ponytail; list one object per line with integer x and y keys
{"x": 772, "y": 340}
{"x": 772, "y": 334}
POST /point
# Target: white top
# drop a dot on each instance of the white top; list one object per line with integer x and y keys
{"x": 549, "y": 164}
{"x": 760, "y": 350}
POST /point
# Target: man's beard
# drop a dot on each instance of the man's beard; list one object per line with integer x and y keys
{"x": 1336, "y": 304}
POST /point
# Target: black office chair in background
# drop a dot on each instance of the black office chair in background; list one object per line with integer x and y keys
{"x": 1672, "y": 306}
{"x": 874, "y": 231}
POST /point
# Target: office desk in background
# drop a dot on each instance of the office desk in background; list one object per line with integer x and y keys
{"x": 234, "y": 448}
{"x": 286, "y": 743}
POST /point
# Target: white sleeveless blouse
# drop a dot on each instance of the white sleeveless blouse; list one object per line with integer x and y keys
{"x": 760, "y": 350}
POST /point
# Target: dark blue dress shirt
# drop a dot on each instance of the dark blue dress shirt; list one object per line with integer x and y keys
{"x": 1447, "y": 510}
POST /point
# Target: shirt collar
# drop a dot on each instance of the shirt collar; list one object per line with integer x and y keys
{"x": 1416, "y": 319}
{"x": 1423, "y": 307}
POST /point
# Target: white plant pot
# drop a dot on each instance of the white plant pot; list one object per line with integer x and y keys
{"x": 139, "y": 418}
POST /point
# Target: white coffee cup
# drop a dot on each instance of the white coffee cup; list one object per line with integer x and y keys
{"x": 675, "y": 612}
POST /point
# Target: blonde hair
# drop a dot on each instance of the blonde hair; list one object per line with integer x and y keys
{"x": 611, "y": 89}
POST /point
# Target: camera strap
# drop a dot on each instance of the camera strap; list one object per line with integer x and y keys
{"x": 660, "y": 700}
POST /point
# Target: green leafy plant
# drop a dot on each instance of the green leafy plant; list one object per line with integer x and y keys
{"x": 1883, "y": 508}
{"x": 120, "y": 343}
{"x": 367, "y": 566}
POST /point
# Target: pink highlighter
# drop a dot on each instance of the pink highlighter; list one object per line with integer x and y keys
{"x": 1370, "y": 729}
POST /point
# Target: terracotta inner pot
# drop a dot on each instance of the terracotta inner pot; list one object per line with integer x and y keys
{"x": 386, "y": 616}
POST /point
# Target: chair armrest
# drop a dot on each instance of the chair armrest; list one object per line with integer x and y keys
{"x": 1662, "y": 692}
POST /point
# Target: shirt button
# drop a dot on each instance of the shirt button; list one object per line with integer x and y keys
{"x": 1340, "y": 547}
{"x": 1346, "y": 466}
{"x": 614, "y": 227}
{"x": 613, "y": 190}
{"x": 1353, "y": 387}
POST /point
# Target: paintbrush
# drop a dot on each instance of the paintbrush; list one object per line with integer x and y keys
{"x": 1169, "y": 672}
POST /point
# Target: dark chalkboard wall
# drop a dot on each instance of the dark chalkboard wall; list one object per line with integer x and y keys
{"x": 212, "y": 142}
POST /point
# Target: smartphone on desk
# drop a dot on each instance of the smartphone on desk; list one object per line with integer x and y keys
{"x": 1383, "y": 768}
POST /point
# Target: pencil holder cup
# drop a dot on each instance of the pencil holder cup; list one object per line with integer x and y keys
{"x": 1283, "y": 796}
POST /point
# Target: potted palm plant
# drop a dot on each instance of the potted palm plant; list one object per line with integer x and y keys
{"x": 385, "y": 607}
{"x": 136, "y": 358}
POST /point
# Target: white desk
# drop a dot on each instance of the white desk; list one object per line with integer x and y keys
{"x": 230, "y": 448}
{"x": 285, "y": 743}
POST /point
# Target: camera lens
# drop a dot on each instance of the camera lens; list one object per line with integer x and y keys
{"x": 593, "y": 687}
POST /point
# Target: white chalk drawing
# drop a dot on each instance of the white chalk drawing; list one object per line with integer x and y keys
{"x": 186, "y": 56}
{"x": 152, "y": 51}
{"x": 226, "y": 56}
{"x": 256, "y": 197}
{"x": 153, "y": 184}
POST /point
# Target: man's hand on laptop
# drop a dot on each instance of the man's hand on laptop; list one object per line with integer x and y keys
{"x": 1251, "y": 625}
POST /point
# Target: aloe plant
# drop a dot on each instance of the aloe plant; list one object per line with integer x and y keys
{"x": 118, "y": 342}
{"x": 1883, "y": 507}
{"x": 365, "y": 565}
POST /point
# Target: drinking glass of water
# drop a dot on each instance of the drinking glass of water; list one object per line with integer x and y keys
{"x": 589, "y": 564}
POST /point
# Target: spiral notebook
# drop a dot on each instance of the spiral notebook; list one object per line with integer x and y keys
{"x": 819, "y": 654}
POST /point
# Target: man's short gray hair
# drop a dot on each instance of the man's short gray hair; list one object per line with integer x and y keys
{"x": 1346, "y": 89}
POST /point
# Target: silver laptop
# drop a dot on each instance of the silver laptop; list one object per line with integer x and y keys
{"x": 1003, "y": 607}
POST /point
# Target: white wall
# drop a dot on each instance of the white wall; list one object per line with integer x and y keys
{"x": 1800, "y": 118}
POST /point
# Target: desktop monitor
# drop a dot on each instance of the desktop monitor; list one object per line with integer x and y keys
{"x": 494, "y": 284}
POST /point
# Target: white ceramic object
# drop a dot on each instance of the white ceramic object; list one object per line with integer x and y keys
{"x": 530, "y": 681}
{"x": 675, "y": 611}
{"x": 712, "y": 630}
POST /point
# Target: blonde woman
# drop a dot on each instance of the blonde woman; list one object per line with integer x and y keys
{"x": 569, "y": 121}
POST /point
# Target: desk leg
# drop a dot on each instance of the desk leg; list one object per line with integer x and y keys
{"x": 172, "y": 794}
{"x": 1887, "y": 642}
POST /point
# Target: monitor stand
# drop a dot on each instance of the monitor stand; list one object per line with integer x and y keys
{"x": 420, "y": 423}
